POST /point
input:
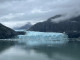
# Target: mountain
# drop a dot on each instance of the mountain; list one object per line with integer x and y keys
{"x": 70, "y": 26}
{"x": 25, "y": 27}
{"x": 6, "y": 32}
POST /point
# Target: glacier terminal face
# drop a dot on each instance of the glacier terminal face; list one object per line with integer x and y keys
{"x": 33, "y": 38}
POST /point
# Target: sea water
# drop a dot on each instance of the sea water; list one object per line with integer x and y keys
{"x": 26, "y": 49}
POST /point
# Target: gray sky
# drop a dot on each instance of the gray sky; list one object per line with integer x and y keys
{"x": 19, "y": 12}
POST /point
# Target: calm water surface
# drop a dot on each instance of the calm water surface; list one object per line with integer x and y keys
{"x": 14, "y": 51}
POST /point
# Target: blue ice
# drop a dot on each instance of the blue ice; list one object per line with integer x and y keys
{"x": 33, "y": 38}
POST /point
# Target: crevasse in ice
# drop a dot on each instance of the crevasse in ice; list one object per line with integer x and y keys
{"x": 43, "y": 38}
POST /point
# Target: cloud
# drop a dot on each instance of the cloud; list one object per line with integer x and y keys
{"x": 2, "y": 1}
{"x": 34, "y": 11}
{"x": 37, "y": 10}
{"x": 11, "y": 16}
{"x": 12, "y": 24}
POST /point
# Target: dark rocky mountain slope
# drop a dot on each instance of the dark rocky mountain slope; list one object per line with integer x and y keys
{"x": 6, "y": 32}
{"x": 69, "y": 26}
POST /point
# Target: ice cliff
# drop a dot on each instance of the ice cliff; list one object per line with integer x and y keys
{"x": 33, "y": 38}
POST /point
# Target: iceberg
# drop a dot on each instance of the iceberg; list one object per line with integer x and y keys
{"x": 33, "y": 38}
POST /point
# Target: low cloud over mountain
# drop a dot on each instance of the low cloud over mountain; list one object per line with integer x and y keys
{"x": 37, "y": 10}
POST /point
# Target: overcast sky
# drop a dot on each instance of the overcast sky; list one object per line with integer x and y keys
{"x": 18, "y": 12}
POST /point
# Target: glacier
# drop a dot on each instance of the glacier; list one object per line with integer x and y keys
{"x": 33, "y": 38}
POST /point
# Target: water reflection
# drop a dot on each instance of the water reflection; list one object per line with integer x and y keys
{"x": 5, "y": 45}
{"x": 69, "y": 51}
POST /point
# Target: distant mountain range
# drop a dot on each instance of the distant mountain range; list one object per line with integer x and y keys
{"x": 68, "y": 26}
{"x": 24, "y": 27}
